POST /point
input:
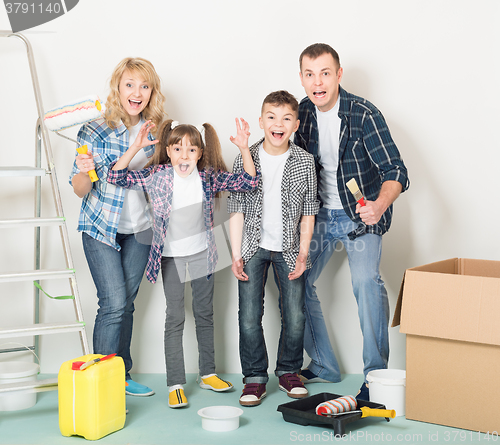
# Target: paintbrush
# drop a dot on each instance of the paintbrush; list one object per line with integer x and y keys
{"x": 95, "y": 360}
{"x": 356, "y": 192}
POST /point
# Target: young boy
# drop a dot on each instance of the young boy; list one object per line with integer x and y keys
{"x": 273, "y": 225}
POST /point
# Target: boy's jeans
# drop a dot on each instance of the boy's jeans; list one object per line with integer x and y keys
{"x": 253, "y": 352}
{"x": 364, "y": 254}
{"x": 117, "y": 276}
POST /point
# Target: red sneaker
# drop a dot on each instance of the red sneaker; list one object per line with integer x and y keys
{"x": 252, "y": 394}
{"x": 292, "y": 385}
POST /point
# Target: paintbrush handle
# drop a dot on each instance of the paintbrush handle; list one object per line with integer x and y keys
{"x": 374, "y": 412}
{"x": 96, "y": 360}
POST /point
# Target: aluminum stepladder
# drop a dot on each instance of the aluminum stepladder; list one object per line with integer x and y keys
{"x": 35, "y": 222}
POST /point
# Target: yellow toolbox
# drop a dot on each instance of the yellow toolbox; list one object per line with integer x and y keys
{"x": 92, "y": 400}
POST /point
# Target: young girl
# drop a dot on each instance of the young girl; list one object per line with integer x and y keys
{"x": 182, "y": 180}
{"x": 110, "y": 217}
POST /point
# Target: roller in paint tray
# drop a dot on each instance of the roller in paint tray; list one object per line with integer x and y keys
{"x": 348, "y": 404}
{"x": 78, "y": 112}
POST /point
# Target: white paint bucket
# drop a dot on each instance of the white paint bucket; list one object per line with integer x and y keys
{"x": 220, "y": 418}
{"x": 387, "y": 386}
{"x": 16, "y": 372}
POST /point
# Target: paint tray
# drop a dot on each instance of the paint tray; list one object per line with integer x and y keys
{"x": 303, "y": 412}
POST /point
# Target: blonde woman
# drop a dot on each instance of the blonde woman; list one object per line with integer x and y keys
{"x": 113, "y": 219}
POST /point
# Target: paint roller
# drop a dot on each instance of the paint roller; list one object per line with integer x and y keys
{"x": 78, "y": 112}
{"x": 348, "y": 404}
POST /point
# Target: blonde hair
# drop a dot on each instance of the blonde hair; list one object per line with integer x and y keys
{"x": 154, "y": 110}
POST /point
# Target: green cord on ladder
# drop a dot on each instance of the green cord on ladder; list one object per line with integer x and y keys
{"x": 63, "y": 297}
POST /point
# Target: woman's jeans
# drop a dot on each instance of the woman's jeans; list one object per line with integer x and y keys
{"x": 331, "y": 228}
{"x": 253, "y": 352}
{"x": 117, "y": 276}
{"x": 173, "y": 271}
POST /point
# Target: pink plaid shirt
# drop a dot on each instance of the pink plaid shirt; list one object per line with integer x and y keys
{"x": 157, "y": 181}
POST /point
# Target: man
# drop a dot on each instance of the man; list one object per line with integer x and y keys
{"x": 349, "y": 138}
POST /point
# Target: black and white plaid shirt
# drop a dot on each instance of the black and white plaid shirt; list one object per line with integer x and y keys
{"x": 298, "y": 197}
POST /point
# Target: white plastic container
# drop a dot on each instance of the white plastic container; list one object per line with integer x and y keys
{"x": 388, "y": 386}
{"x": 16, "y": 372}
{"x": 220, "y": 418}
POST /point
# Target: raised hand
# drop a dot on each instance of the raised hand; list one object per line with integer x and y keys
{"x": 142, "y": 138}
{"x": 242, "y": 134}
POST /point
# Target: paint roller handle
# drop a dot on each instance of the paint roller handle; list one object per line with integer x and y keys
{"x": 92, "y": 173}
{"x": 374, "y": 412}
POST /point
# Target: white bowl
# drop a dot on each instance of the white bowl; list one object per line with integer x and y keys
{"x": 220, "y": 418}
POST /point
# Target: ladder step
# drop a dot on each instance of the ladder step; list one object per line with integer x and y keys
{"x": 41, "y": 328}
{"x": 32, "y": 222}
{"x": 37, "y": 275}
{"x": 31, "y": 386}
{"x": 22, "y": 171}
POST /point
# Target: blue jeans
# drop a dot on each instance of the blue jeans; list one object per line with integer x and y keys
{"x": 117, "y": 276}
{"x": 253, "y": 352}
{"x": 332, "y": 227}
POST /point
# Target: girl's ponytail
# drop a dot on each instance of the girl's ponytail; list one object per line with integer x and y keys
{"x": 212, "y": 154}
{"x": 160, "y": 155}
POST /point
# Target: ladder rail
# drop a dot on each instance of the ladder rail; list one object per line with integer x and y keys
{"x": 42, "y": 138}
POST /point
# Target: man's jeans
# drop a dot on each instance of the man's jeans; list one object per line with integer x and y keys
{"x": 253, "y": 352}
{"x": 117, "y": 276}
{"x": 332, "y": 227}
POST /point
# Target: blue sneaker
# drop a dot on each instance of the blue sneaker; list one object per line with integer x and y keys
{"x": 307, "y": 376}
{"x": 136, "y": 389}
{"x": 363, "y": 393}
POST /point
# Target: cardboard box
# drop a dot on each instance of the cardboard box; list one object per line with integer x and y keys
{"x": 450, "y": 313}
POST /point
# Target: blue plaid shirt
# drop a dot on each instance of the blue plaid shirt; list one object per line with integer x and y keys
{"x": 366, "y": 153}
{"x": 102, "y": 206}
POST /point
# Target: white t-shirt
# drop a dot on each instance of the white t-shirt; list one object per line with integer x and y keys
{"x": 329, "y": 135}
{"x": 133, "y": 218}
{"x": 186, "y": 233}
{"x": 271, "y": 226}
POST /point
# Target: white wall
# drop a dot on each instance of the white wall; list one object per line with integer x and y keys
{"x": 431, "y": 66}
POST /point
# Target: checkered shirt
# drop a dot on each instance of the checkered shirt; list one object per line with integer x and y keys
{"x": 158, "y": 181}
{"x": 298, "y": 197}
{"x": 366, "y": 153}
{"x": 102, "y": 206}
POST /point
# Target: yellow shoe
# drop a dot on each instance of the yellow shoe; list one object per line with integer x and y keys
{"x": 177, "y": 399}
{"x": 215, "y": 383}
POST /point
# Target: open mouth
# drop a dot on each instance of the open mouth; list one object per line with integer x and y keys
{"x": 277, "y": 134}
{"x": 183, "y": 168}
{"x": 135, "y": 103}
{"x": 319, "y": 94}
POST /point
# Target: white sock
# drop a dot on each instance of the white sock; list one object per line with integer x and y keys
{"x": 174, "y": 387}
{"x": 207, "y": 376}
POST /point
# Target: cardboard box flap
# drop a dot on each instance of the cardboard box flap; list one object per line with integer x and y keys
{"x": 450, "y": 266}
{"x": 447, "y": 266}
{"x": 479, "y": 268}
{"x": 436, "y": 300}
